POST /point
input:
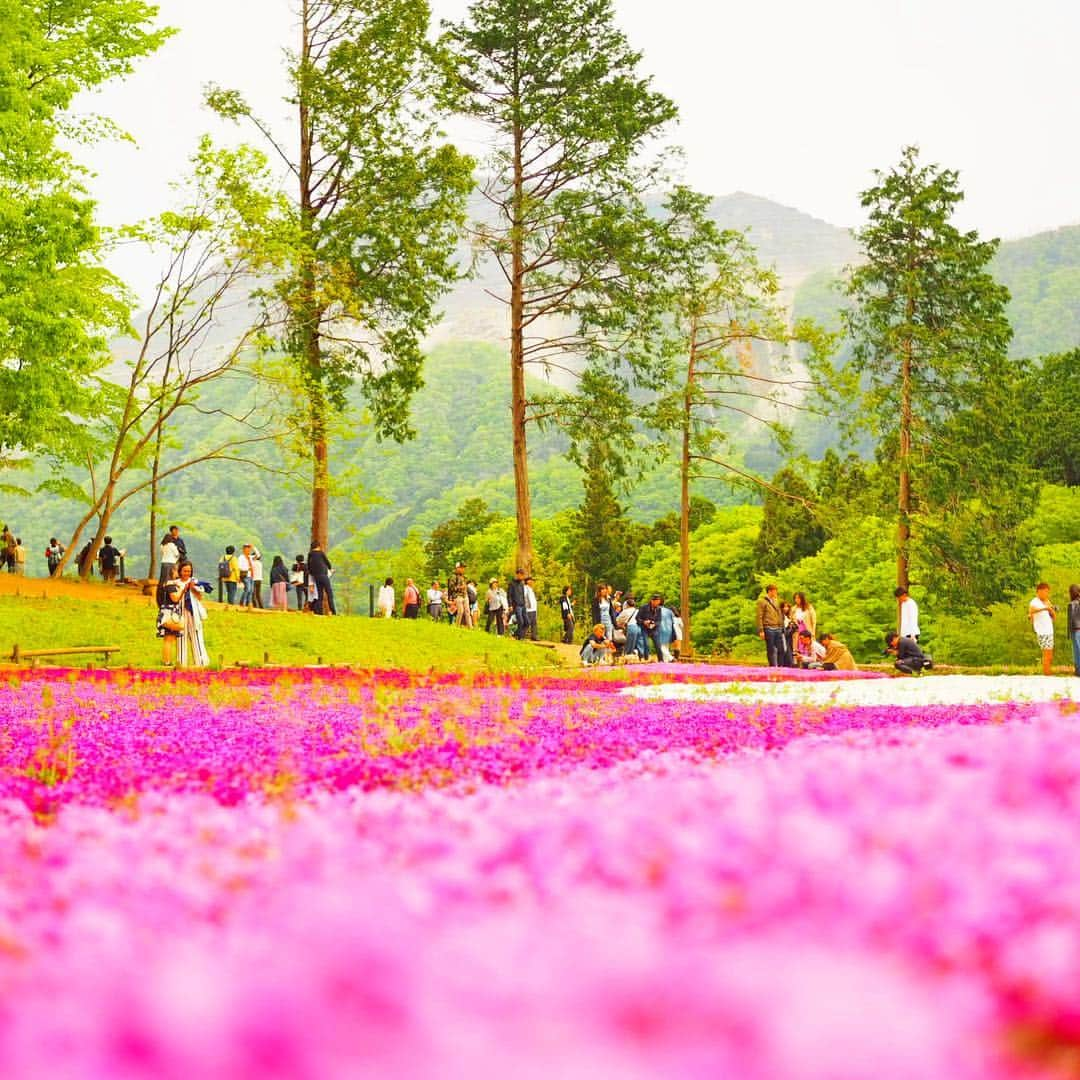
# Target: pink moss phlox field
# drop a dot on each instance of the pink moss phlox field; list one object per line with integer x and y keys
{"x": 109, "y": 740}
{"x": 309, "y": 875}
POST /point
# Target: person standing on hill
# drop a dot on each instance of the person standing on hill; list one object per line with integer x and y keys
{"x": 532, "y": 609}
{"x": 493, "y": 608}
{"x": 231, "y": 576}
{"x": 319, "y": 571}
{"x": 279, "y": 585}
{"x": 909, "y": 614}
{"x": 298, "y": 580}
{"x": 173, "y": 536}
{"x": 247, "y": 582}
{"x": 108, "y": 560}
{"x": 435, "y": 601}
{"x": 256, "y": 577}
{"x": 7, "y": 538}
{"x": 53, "y": 554}
{"x": 387, "y": 601}
{"x": 457, "y": 588}
{"x": 170, "y": 558}
{"x": 180, "y": 619}
{"x": 566, "y": 609}
{"x": 515, "y": 597}
{"x": 770, "y": 626}
{"x": 410, "y": 600}
{"x": 1042, "y": 614}
{"x": 805, "y": 614}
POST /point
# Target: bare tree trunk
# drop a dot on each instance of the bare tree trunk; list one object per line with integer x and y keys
{"x": 310, "y": 314}
{"x": 152, "y": 566}
{"x": 684, "y": 496}
{"x": 522, "y": 496}
{"x": 320, "y": 476}
{"x": 903, "y": 531}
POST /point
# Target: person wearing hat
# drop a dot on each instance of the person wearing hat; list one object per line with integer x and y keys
{"x": 515, "y": 597}
{"x": 457, "y": 588}
{"x": 531, "y": 611}
{"x": 493, "y": 608}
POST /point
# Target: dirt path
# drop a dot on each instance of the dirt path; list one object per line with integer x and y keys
{"x": 71, "y": 587}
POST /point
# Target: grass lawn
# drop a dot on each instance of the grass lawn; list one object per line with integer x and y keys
{"x": 240, "y": 636}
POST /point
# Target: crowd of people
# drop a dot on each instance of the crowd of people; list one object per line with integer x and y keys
{"x": 620, "y": 628}
{"x": 792, "y": 636}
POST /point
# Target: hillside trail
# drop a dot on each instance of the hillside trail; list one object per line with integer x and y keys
{"x": 73, "y": 588}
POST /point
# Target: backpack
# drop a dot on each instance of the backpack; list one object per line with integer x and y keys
{"x": 223, "y": 567}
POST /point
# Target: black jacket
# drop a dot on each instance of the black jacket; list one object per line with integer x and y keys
{"x": 318, "y": 565}
{"x": 648, "y": 617}
{"x": 908, "y": 649}
{"x": 515, "y": 593}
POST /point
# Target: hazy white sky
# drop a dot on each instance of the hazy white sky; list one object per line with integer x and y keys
{"x": 791, "y": 100}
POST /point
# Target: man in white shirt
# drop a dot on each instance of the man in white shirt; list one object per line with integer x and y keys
{"x": 909, "y": 614}
{"x": 256, "y": 576}
{"x": 247, "y": 580}
{"x": 1041, "y": 613}
{"x": 529, "y": 630}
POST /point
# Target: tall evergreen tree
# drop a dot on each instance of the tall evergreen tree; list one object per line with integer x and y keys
{"x": 379, "y": 207}
{"x": 789, "y": 529}
{"x": 604, "y": 547}
{"x": 557, "y": 86}
{"x": 930, "y": 335}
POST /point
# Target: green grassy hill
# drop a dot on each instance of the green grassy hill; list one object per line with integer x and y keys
{"x": 238, "y": 636}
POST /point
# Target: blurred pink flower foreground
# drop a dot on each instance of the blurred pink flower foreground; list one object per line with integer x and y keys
{"x": 305, "y": 875}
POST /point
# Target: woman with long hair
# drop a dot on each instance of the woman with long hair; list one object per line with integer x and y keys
{"x": 181, "y": 617}
{"x": 804, "y": 614}
{"x": 279, "y": 584}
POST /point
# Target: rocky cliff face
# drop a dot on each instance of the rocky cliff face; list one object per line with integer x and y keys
{"x": 792, "y": 242}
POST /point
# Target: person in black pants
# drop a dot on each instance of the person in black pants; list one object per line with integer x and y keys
{"x": 910, "y": 659}
{"x": 648, "y": 618}
{"x": 515, "y": 597}
{"x": 566, "y": 606}
{"x": 318, "y": 568}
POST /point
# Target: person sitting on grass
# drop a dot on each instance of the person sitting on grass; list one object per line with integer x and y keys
{"x": 598, "y": 647}
{"x": 910, "y": 659}
{"x": 837, "y": 655}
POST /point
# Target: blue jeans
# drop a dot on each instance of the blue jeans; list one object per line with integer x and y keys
{"x": 1076, "y": 651}
{"x": 775, "y": 647}
{"x": 519, "y": 616}
{"x": 247, "y": 586}
{"x": 230, "y": 592}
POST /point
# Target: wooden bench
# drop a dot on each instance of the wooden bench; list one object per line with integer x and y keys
{"x": 33, "y": 655}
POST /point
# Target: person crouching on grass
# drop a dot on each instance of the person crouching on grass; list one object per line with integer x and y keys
{"x": 598, "y": 647}
{"x": 910, "y": 659}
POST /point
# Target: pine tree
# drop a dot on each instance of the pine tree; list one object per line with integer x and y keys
{"x": 930, "y": 339}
